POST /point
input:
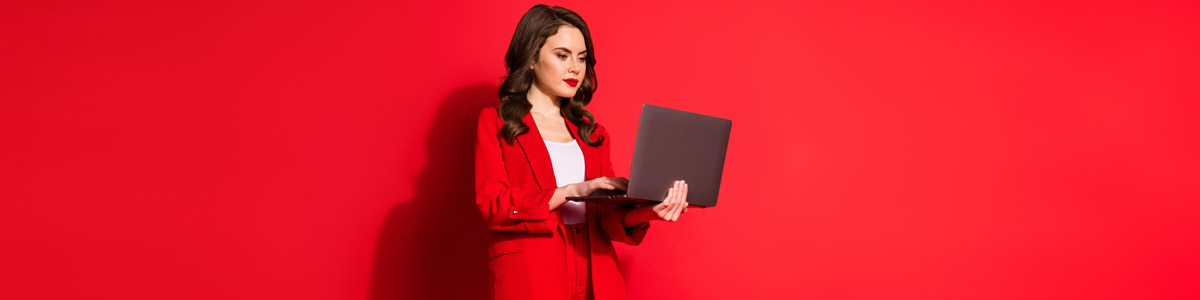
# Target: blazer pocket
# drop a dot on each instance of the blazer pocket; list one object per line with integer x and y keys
{"x": 502, "y": 254}
{"x": 502, "y": 246}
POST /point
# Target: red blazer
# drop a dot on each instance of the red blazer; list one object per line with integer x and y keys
{"x": 527, "y": 252}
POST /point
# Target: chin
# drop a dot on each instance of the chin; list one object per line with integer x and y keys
{"x": 567, "y": 94}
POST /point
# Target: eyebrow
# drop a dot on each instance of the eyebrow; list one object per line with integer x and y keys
{"x": 569, "y": 50}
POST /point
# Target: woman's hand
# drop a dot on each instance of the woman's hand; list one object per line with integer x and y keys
{"x": 675, "y": 203}
{"x": 588, "y": 187}
{"x": 669, "y": 209}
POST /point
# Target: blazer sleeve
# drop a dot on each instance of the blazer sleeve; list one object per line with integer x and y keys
{"x": 611, "y": 215}
{"x": 504, "y": 207}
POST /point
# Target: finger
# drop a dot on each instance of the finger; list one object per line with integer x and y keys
{"x": 620, "y": 183}
{"x": 662, "y": 207}
{"x": 675, "y": 201}
{"x": 609, "y": 183}
{"x": 683, "y": 195}
{"x": 676, "y": 212}
{"x": 682, "y": 199}
{"x": 685, "y": 192}
{"x": 675, "y": 207}
{"x": 665, "y": 214}
{"x": 669, "y": 202}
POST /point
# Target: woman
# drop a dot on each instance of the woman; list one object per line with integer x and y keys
{"x": 541, "y": 146}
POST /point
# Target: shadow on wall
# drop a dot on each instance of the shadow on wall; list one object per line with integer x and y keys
{"x": 434, "y": 246}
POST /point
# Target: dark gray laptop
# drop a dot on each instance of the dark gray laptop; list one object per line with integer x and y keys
{"x": 673, "y": 145}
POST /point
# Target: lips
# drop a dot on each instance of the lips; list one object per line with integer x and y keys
{"x": 571, "y": 82}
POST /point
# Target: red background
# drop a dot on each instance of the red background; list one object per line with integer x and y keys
{"x": 880, "y": 150}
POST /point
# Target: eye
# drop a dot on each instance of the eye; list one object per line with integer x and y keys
{"x": 583, "y": 59}
{"x": 561, "y": 56}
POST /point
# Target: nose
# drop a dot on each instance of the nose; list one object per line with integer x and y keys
{"x": 574, "y": 68}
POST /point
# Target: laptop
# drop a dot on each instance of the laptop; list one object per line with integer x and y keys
{"x": 673, "y": 145}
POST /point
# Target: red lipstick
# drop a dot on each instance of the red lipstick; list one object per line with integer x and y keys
{"x": 571, "y": 81}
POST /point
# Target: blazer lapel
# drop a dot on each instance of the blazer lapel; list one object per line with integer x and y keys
{"x": 537, "y": 155}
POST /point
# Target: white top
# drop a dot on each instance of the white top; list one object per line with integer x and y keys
{"x": 567, "y": 160}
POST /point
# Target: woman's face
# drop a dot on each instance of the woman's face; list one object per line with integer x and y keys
{"x": 561, "y": 63}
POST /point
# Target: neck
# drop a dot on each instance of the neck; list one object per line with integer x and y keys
{"x": 543, "y": 104}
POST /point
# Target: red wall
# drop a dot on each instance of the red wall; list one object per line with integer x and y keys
{"x": 880, "y": 150}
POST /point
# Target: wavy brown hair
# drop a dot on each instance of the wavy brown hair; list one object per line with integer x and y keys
{"x": 538, "y": 24}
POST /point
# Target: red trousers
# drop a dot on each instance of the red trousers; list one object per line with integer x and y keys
{"x": 579, "y": 280}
